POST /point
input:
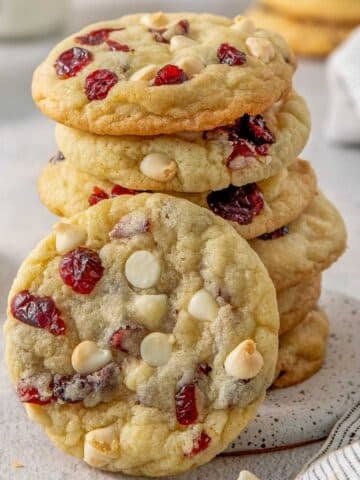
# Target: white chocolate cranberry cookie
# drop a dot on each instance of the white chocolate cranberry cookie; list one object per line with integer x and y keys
{"x": 305, "y": 247}
{"x": 253, "y": 209}
{"x": 308, "y": 38}
{"x": 250, "y": 149}
{"x": 142, "y": 334}
{"x": 296, "y": 302}
{"x": 149, "y": 74}
{"x": 302, "y": 350}
{"x": 331, "y": 11}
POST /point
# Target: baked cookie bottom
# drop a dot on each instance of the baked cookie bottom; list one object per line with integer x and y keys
{"x": 302, "y": 350}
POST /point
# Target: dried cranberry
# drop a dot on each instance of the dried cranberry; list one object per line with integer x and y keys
{"x": 81, "y": 269}
{"x": 119, "y": 47}
{"x": 30, "y": 394}
{"x": 230, "y": 55}
{"x": 38, "y": 312}
{"x": 280, "y": 232}
{"x": 204, "y": 368}
{"x": 96, "y": 37}
{"x": 71, "y": 62}
{"x": 170, "y": 75}
{"x": 200, "y": 444}
{"x": 181, "y": 28}
{"x": 97, "y": 195}
{"x": 118, "y": 190}
{"x": 239, "y": 204}
{"x": 99, "y": 83}
{"x": 242, "y": 148}
{"x": 104, "y": 379}
{"x": 70, "y": 389}
{"x": 185, "y": 405}
{"x": 254, "y": 128}
{"x": 128, "y": 339}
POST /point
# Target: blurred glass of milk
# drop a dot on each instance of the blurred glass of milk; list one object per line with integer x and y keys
{"x": 29, "y": 18}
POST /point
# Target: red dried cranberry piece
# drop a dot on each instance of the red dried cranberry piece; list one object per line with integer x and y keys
{"x": 185, "y": 405}
{"x": 170, "y": 75}
{"x": 239, "y": 204}
{"x": 30, "y": 394}
{"x": 181, "y": 28}
{"x": 119, "y": 47}
{"x": 96, "y": 37}
{"x": 254, "y": 128}
{"x": 97, "y": 195}
{"x": 70, "y": 389}
{"x": 242, "y": 148}
{"x": 81, "y": 269}
{"x": 118, "y": 190}
{"x": 200, "y": 444}
{"x": 38, "y": 312}
{"x": 128, "y": 339}
{"x": 71, "y": 62}
{"x": 262, "y": 149}
{"x": 230, "y": 55}
{"x": 280, "y": 232}
{"x": 204, "y": 368}
{"x": 105, "y": 379}
{"x": 99, "y": 83}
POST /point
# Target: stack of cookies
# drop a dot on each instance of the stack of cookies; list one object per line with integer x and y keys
{"x": 143, "y": 332}
{"x": 312, "y": 27}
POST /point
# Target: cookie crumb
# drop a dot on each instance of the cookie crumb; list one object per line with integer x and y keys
{"x": 17, "y": 464}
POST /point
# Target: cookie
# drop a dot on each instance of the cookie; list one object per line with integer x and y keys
{"x": 255, "y": 209}
{"x": 142, "y": 335}
{"x": 251, "y": 149}
{"x": 307, "y": 38}
{"x": 150, "y": 74}
{"x": 302, "y": 350}
{"x": 306, "y": 247}
{"x": 294, "y": 303}
{"x": 327, "y": 11}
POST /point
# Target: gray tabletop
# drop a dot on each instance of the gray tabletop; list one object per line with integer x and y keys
{"x": 26, "y": 142}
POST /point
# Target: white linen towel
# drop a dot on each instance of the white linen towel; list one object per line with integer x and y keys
{"x": 339, "y": 457}
{"x": 343, "y": 69}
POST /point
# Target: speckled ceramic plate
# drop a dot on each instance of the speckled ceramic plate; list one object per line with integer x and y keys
{"x": 307, "y": 412}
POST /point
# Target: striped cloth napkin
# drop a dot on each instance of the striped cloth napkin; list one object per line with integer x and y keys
{"x": 339, "y": 457}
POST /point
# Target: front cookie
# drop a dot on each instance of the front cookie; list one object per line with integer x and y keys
{"x": 149, "y": 74}
{"x": 142, "y": 334}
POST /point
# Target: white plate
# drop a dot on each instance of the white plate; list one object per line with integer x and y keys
{"x": 307, "y": 412}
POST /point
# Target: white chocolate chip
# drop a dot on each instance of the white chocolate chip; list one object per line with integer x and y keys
{"x": 142, "y": 269}
{"x": 240, "y": 162}
{"x": 261, "y": 48}
{"x": 150, "y": 310}
{"x": 146, "y": 73}
{"x": 203, "y": 306}
{"x": 191, "y": 65}
{"x": 246, "y": 475}
{"x": 100, "y": 446}
{"x": 244, "y": 25}
{"x": 136, "y": 372}
{"x": 154, "y": 20}
{"x": 156, "y": 349}
{"x": 244, "y": 361}
{"x": 68, "y": 237}
{"x": 158, "y": 166}
{"x": 88, "y": 357}
{"x": 179, "y": 41}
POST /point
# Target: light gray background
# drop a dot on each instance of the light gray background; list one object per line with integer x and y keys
{"x": 27, "y": 141}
